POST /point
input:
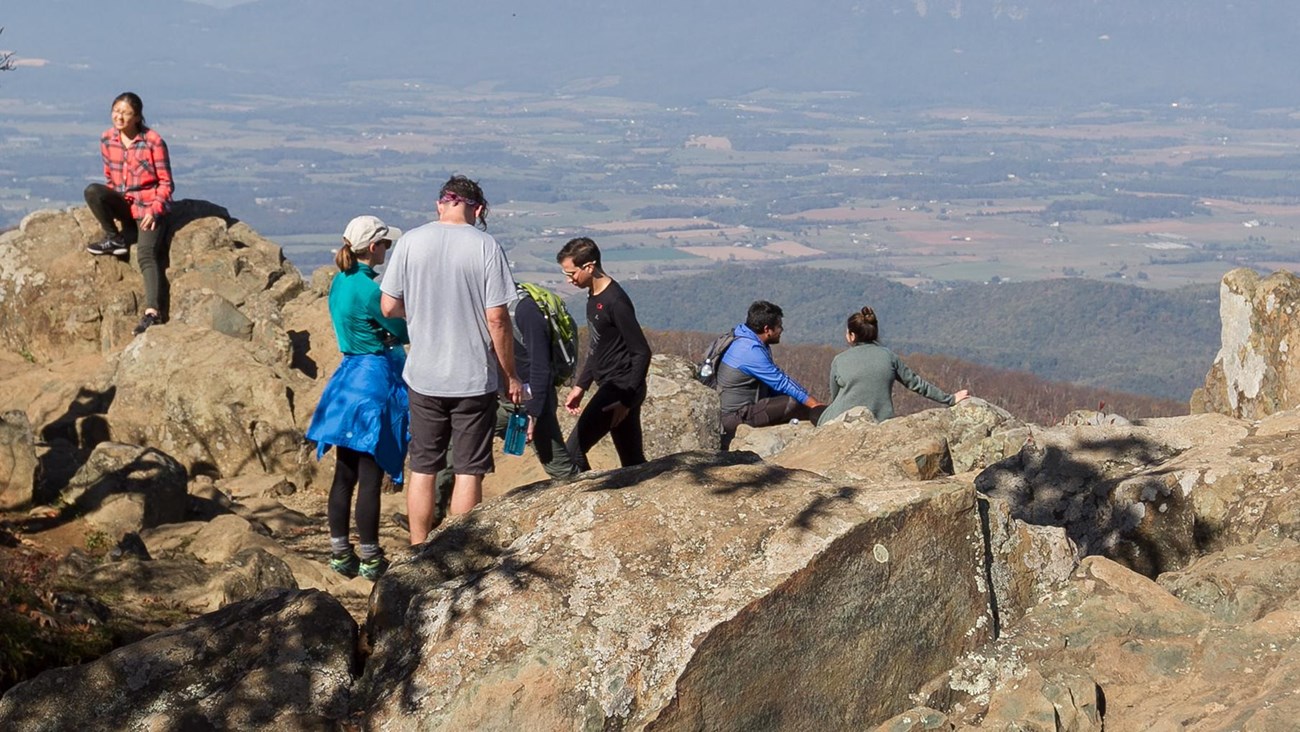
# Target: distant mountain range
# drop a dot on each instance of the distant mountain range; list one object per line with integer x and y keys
{"x": 1097, "y": 334}
{"x": 1037, "y": 53}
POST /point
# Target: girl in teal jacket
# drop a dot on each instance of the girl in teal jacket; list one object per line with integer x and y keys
{"x": 363, "y": 411}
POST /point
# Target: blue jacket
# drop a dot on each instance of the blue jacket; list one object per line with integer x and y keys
{"x": 752, "y": 374}
{"x": 365, "y": 408}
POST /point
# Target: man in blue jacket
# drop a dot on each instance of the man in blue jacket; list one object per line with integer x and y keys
{"x": 752, "y": 389}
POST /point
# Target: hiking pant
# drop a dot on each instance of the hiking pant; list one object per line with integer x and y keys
{"x": 766, "y": 412}
{"x": 352, "y": 468}
{"x": 110, "y": 207}
{"x": 594, "y": 423}
{"x": 548, "y": 441}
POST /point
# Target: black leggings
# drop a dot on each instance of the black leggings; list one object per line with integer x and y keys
{"x": 593, "y": 424}
{"x": 351, "y": 467}
{"x": 109, "y": 207}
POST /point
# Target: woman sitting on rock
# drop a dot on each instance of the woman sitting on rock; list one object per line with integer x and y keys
{"x": 864, "y": 375}
{"x": 364, "y": 410}
{"x": 138, "y": 194}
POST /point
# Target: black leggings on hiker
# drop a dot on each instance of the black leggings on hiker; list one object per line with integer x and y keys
{"x": 594, "y": 423}
{"x": 352, "y": 468}
{"x": 110, "y": 207}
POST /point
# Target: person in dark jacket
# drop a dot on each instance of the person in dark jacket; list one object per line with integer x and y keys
{"x": 752, "y": 389}
{"x": 533, "y": 364}
{"x": 618, "y": 359}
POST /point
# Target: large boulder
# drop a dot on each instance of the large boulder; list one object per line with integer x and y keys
{"x": 696, "y": 591}
{"x": 682, "y": 412}
{"x": 280, "y": 661}
{"x": 218, "y": 386}
{"x": 1156, "y": 495}
{"x": 205, "y": 398}
{"x": 125, "y": 488}
{"x": 1254, "y": 374}
{"x": 57, "y": 301}
{"x": 921, "y": 446}
{"x": 17, "y": 460}
{"x": 1115, "y": 648}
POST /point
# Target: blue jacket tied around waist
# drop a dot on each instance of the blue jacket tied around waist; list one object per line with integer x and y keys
{"x": 365, "y": 408}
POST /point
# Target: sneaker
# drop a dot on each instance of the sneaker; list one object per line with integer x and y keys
{"x": 148, "y": 320}
{"x": 114, "y": 245}
{"x": 373, "y": 569}
{"x": 345, "y": 564}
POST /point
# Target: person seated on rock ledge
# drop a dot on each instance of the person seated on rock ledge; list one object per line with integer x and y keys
{"x": 364, "y": 410}
{"x": 138, "y": 173}
{"x": 752, "y": 389}
{"x": 864, "y": 375}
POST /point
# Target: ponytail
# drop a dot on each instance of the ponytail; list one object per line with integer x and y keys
{"x": 345, "y": 259}
{"x": 863, "y": 326}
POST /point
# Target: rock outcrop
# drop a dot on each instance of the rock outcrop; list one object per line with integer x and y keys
{"x": 280, "y": 661}
{"x": 1213, "y": 647}
{"x": 1254, "y": 373}
{"x": 697, "y": 591}
{"x": 17, "y": 460}
{"x": 1157, "y": 495}
{"x": 125, "y": 488}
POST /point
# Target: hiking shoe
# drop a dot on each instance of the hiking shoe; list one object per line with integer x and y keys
{"x": 345, "y": 564}
{"x": 148, "y": 320}
{"x": 373, "y": 569}
{"x": 114, "y": 245}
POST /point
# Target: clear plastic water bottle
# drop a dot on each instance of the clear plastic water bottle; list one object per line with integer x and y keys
{"x": 516, "y": 432}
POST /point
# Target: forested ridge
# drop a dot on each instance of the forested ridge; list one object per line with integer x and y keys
{"x": 1096, "y": 334}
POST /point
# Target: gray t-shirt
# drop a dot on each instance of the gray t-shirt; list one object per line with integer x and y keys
{"x": 447, "y": 275}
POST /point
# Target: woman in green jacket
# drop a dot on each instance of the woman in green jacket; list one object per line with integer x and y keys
{"x": 864, "y": 375}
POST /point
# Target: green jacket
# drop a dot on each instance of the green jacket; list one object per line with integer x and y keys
{"x": 864, "y": 376}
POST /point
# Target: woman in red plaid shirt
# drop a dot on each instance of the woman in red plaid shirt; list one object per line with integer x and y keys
{"x": 138, "y": 195}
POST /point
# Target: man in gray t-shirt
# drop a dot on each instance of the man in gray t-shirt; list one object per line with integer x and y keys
{"x": 453, "y": 285}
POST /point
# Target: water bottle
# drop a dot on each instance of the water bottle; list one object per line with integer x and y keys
{"x": 516, "y": 432}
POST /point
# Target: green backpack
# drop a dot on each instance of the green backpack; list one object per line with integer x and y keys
{"x": 564, "y": 332}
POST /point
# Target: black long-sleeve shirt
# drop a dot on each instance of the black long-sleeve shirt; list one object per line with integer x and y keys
{"x": 619, "y": 354}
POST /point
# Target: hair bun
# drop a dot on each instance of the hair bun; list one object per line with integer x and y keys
{"x": 869, "y": 314}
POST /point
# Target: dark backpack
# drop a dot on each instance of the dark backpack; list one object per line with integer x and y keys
{"x": 564, "y": 332}
{"x": 707, "y": 371}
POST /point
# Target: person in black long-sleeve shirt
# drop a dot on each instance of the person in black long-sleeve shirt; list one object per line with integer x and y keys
{"x": 533, "y": 364}
{"x": 618, "y": 359}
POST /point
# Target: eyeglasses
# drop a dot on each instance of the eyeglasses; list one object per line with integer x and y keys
{"x": 571, "y": 273}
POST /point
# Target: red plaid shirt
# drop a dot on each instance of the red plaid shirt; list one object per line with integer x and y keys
{"x": 141, "y": 171}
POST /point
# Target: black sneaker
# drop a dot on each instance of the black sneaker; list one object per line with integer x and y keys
{"x": 114, "y": 245}
{"x": 148, "y": 320}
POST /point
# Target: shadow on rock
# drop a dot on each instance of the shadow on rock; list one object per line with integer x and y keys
{"x": 70, "y": 438}
{"x": 1110, "y": 494}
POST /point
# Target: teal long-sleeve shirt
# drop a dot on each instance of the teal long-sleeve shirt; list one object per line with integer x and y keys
{"x": 354, "y": 310}
{"x": 864, "y": 376}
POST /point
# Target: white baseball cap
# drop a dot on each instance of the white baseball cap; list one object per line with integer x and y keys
{"x": 366, "y": 230}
